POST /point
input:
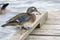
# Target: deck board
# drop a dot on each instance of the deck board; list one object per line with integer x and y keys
{"x": 47, "y": 30}
{"x": 43, "y": 38}
{"x": 53, "y": 18}
{"x": 53, "y": 21}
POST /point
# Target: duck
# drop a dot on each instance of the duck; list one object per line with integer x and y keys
{"x": 23, "y": 18}
{"x": 2, "y": 9}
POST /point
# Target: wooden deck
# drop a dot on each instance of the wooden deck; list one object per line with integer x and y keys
{"x": 50, "y": 30}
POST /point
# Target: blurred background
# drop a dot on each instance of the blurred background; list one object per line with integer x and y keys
{"x": 22, "y": 5}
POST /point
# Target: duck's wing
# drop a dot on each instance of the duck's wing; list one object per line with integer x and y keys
{"x": 16, "y": 17}
{"x": 19, "y": 15}
{"x": 23, "y": 18}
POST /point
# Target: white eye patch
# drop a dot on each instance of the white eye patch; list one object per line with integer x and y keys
{"x": 34, "y": 13}
{"x": 33, "y": 8}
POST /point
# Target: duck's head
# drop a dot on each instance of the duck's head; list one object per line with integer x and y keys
{"x": 33, "y": 10}
{"x": 2, "y": 9}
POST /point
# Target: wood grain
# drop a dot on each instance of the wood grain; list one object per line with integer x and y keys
{"x": 43, "y": 38}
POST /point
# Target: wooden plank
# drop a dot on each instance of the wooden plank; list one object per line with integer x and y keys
{"x": 53, "y": 18}
{"x": 43, "y": 38}
{"x": 21, "y": 35}
{"x": 47, "y": 30}
{"x": 53, "y": 21}
{"x": 53, "y": 14}
{"x": 51, "y": 27}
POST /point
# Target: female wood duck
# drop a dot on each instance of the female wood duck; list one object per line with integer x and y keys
{"x": 22, "y": 18}
{"x": 2, "y": 9}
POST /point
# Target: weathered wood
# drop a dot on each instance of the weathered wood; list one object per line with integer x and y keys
{"x": 53, "y": 18}
{"x": 53, "y": 21}
{"x": 53, "y": 14}
{"x": 21, "y": 35}
{"x": 43, "y": 38}
{"x": 47, "y": 30}
{"x": 43, "y": 20}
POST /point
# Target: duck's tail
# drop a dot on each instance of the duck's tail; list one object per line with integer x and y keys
{"x": 4, "y": 6}
{"x": 8, "y": 24}
{"x": 4, "y": 25}
{"x": 13, "y": 23}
